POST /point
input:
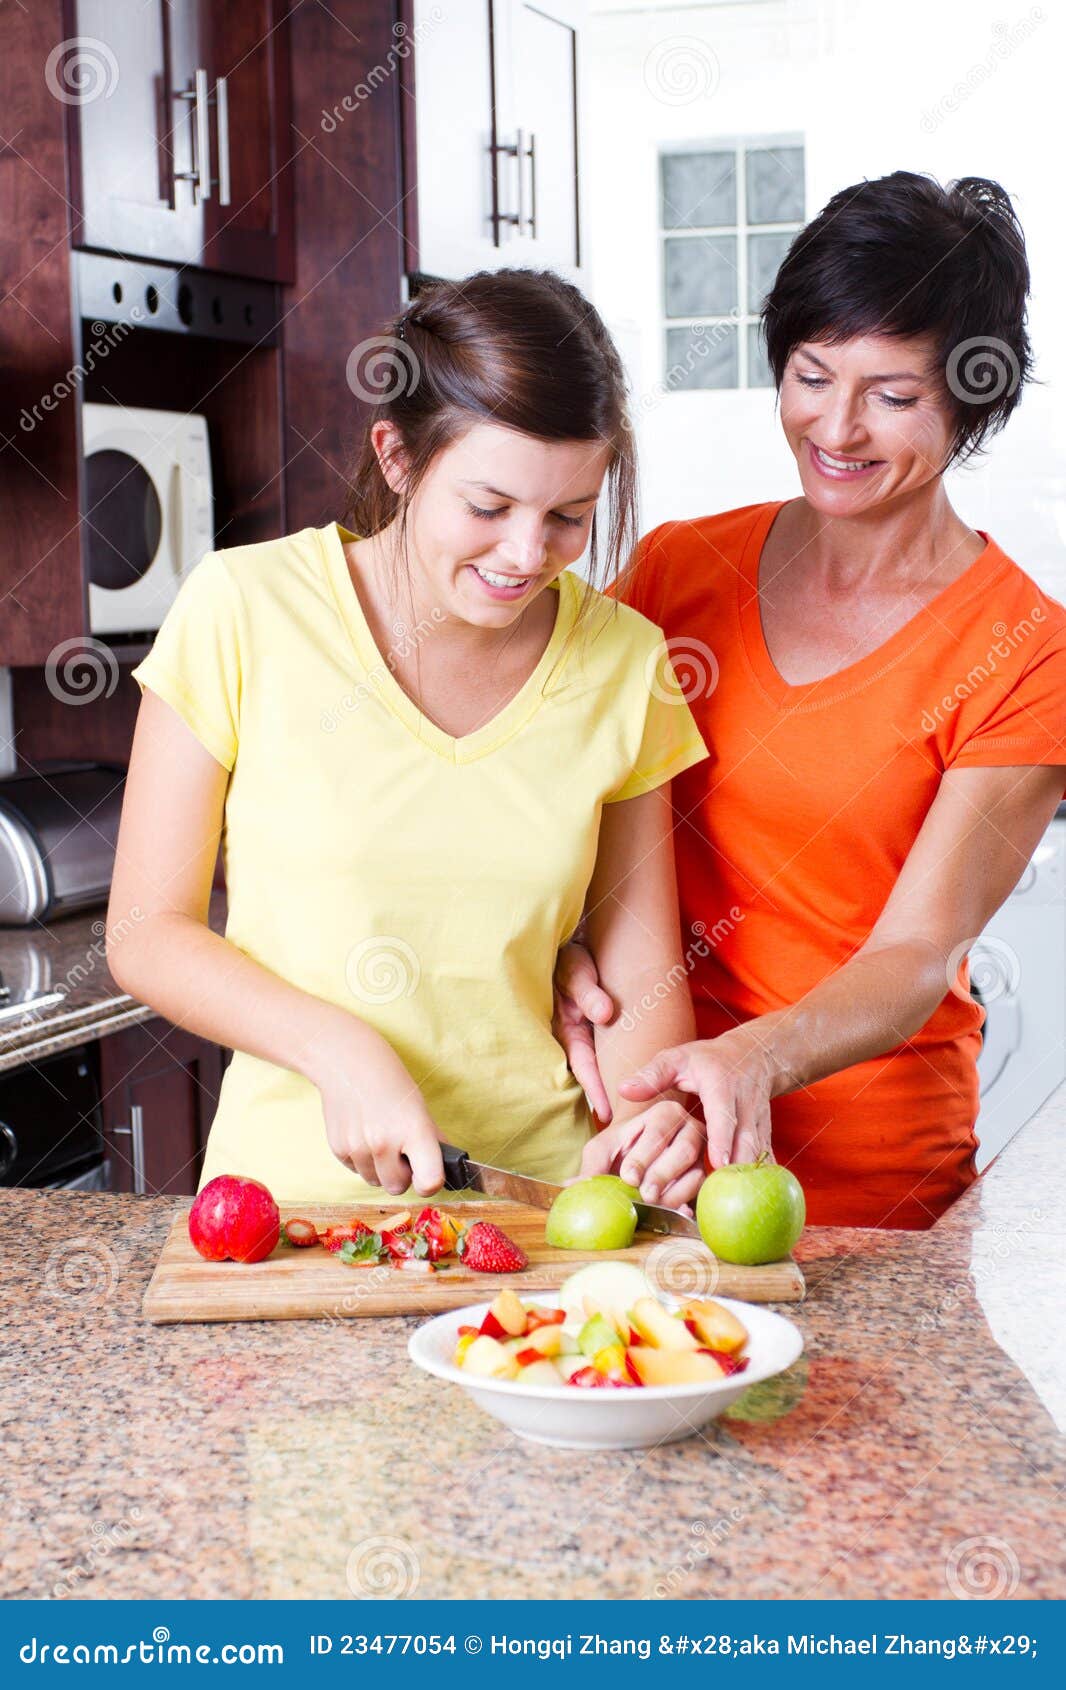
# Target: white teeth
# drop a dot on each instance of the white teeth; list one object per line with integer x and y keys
{"x": 502, "y": 580}
{"x": 844, "y": 463}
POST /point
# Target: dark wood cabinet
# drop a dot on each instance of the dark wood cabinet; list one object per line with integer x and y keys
{"x": 160, "y": 1089}
{"x": 178, "y": 114}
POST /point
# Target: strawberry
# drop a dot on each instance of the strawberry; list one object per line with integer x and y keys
{"x": 537, "y": 1316}
{"x": 439, "y": 1231}
{"x": 727, "y": 1362}
{"x": 300, "y": 1234}
{"x": 588, "y": 1377}
{"x": 334, "y": 1236}
{"x": 487, "y": 1249}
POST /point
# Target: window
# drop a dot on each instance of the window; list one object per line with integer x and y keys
{"x": 728, "y": 213}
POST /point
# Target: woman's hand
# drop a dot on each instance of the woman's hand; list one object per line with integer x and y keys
{"x": 731, "y": 1076}
{"x": 376, "y": 1118}
{"x": 660, "y": 1150}
{"x": 580, "y": 1001}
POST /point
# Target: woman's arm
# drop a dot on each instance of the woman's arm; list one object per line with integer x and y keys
{"x": 631, "y": 922}
{"x": 161, "y": 950}
{"x": 980, "y": 832}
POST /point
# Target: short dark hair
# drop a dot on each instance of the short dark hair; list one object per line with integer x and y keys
{"x": 903, "y": 255}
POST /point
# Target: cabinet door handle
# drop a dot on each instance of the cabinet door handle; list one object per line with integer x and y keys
{"x": 135, "y": 1133}
{"x": 200, "y": 174}
{"x": 532, "y": 186}
{"x": 222, "y": 117}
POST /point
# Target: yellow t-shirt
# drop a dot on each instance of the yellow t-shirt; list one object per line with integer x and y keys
{"x": 424, "y": 883}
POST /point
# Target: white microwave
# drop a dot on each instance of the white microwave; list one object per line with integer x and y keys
{"x": 149, "y": 511}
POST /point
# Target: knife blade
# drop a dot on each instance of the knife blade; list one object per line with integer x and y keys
{"x": 462, "y": 1173}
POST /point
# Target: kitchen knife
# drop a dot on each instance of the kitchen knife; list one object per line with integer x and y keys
{"x": 461, "y": 1173}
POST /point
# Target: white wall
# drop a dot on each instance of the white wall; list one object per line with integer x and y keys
{"x": 954, "y": 89}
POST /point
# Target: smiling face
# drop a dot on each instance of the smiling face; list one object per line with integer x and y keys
{"x": 497, "y": 516}
{"x": 867, "y": 421}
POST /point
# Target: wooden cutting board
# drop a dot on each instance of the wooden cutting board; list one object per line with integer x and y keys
{"x": 314, "y": 1285}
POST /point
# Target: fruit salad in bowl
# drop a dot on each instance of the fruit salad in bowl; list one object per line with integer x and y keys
{"x": 606, "y": 1362}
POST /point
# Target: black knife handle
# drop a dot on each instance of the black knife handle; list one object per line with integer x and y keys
{"x": 456, "y": 1168}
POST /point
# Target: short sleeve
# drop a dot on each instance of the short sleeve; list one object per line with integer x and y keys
{"x": 1027, "y": 724}
{"x": 670, "y": 741}
{"x": 195, "y": 661}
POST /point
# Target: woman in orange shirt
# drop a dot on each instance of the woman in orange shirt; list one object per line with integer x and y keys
{"x": 883, "y": 692}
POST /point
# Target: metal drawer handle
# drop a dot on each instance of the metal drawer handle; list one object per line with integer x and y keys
{"x": 135, "y": 1133}
{"x": 222, "y": 116}
{"x": 200, "y": 175}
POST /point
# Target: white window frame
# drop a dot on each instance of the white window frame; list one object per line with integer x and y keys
{"x": 739, "y": 146}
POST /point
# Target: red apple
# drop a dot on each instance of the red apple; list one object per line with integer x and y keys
{"x": 234, "y": 1219}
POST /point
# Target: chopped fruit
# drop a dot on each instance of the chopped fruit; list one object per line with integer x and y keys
{"x": 567, "y": 1366}
{"x": 526, "y": 1357}
{"x": 491, "y": 1328}
{"x": 596, "y": 1334}
{"x": 332, "y": 1237}
{"x": 439, "y": 1230}
{"x": 487, "y": 1249}
{"x": 467, "y": 1334}
{"x": 400, "y": 1245}
{"x": 588, "y": 1378}
{"x": 400, "y": 1222}
{"x": 672, "y": 1367}
{"x": 727, "y": 1362}
{"x": 658, "y": 1327}
{"x": 489, "y": 1358}
{"x": 714, "y": 1326}
{"x": 510, "y": 1313}
{"x": 611, "y": 1361}
{"x": 416, "y": 1264}
{"x": 537, "y": 1316}
{"x": 541, "y": 1372}
{"x": 300, "y": 1234}
{"x": 546, "y": 1340}
{"x": 611, "y": 1287}
{"x": 362, "y": 1251}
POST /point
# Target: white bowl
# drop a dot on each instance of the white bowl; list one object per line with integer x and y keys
{"x": 571, "y": 1417}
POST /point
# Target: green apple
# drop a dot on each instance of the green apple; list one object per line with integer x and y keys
{"x": 596, "y": 1334}
{"x": 591, "y": 1216}
{"x": 751, "y": 1212}
{"x": 614, "y": 1182}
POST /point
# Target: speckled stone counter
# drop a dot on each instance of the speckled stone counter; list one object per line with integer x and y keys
{"x": 68, "y": 956}
{"x": 916, "y": 1449}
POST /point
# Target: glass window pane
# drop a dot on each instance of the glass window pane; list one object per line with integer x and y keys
{"x": 700, "y": 276}
{"x": 699, "y": 190}
{"x": 775, "y": 184}
{"x": 765, "y": 253}
{"x": 701, "y": 356}
{"x": 758, "y": 369}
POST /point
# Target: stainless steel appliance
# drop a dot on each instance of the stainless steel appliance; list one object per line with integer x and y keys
{"x": 58, "y": 831}
{"x": 51, "y": 1127}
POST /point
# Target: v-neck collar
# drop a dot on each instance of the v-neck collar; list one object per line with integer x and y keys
{"x": 812, "y": 695}
{"x": 500, "y": 727}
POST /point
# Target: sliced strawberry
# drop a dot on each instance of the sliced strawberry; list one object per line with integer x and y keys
{"x": 300, "y": 1234}
{"x": 589, "y": 1378}
{"x": 487, "y": 1249}
{"x": 524, "y": 1357}
{"x": 461, "y": 1331}
{"x": 536, "y": 1316}
{"x": 332, "y": 1237}
{"x": 727, "y": 1362}
{"x": 631, "y": 1370}
{"x": 491, "y": 1328}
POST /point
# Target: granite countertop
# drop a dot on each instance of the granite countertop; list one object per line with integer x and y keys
{"x": 68, "y": 955}
{"x": 916, "y": 1449}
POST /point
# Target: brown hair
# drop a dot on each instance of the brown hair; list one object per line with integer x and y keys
{"x": 520, "y": 348}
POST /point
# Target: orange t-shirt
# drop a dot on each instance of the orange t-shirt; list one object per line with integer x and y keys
{"x": 790, "y": 836}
